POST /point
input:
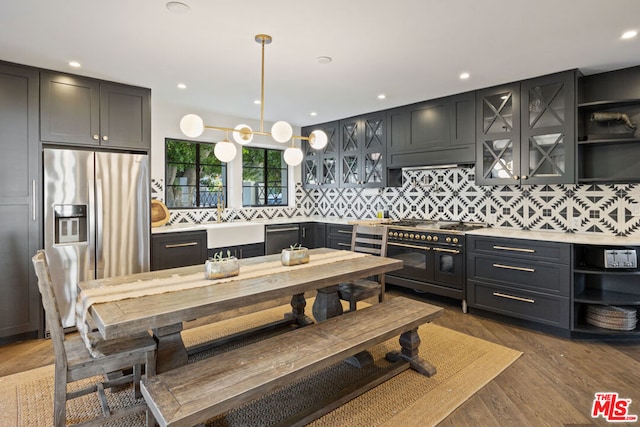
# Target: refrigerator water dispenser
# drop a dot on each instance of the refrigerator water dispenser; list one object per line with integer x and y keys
{"x": 70, "y": 224}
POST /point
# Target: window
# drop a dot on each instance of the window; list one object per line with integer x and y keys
{"x": 195, "y": 178}
{"x": 264, "y": 177}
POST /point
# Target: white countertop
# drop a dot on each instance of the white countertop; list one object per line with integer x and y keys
{"x": 558, "y": 236}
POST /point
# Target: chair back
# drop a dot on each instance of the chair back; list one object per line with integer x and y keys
{"x": 370, "y": 239}
{"x": 52, "y": 313}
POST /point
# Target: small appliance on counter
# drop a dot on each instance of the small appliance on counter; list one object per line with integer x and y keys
{"x": 600, "y": 257}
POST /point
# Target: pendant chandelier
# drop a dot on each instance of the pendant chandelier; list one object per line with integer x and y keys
{"x": 193, "y": 126}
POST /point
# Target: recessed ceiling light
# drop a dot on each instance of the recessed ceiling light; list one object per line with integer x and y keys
{"x": 257, "y": 102}
{"x": 74, "y": 64}
{"x": 324, "y": 59}
{"x": 382, "y": 96}
{"x": 629, "y": 34}
{"x": 177, "y": 7}
{"x": 313, "y": 113}
{"x": 464, "y": 76}
{"x": 182, "y": 86}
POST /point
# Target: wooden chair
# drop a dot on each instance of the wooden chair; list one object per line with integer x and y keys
{"x": 73, "y": 361}
{"x": 368, "y": 239}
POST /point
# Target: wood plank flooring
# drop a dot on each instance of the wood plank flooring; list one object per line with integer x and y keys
{"x": 552, "y": 384}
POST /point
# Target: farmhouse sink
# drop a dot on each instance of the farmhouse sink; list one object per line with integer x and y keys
{"x": 233, "y": 233}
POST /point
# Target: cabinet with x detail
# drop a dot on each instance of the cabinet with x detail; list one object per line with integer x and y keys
{"x": 526, "y": 131}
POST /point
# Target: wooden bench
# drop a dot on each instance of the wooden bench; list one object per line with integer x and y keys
{"x": 199, "y": 391}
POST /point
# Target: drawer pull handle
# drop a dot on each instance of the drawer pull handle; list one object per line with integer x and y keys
{"x": 181, "y": 245}
{"x": 348, "y": 245}
{"x": 501, "y": 295}
{"x": 511, "y": 267}
{"x": 450, "y": 251}
{"x": 344, "y": 232}
{"x": 507, "y": 248}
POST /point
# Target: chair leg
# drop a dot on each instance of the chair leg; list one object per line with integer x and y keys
{"x": 352, "y": 305}
{"x": 137, "y": 374}
{"x": 60, "y": 399}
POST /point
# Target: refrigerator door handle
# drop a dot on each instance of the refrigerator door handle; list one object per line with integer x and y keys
{"x": 99, "y": 231}
{"x": 91, "y": 217}
{"x": 33, "y": 199}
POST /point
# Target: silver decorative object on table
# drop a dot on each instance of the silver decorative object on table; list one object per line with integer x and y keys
{"x": 294, "y": 256}
{"x": 219, "y": 267}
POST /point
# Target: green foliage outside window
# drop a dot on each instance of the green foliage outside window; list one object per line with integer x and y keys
{"x": 264, "y": 177}
{"x": 195, "y": 178}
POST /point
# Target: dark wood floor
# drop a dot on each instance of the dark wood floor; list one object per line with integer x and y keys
{"x": 552, "y": 384}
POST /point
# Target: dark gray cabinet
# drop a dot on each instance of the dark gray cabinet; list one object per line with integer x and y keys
{"x": 525, "y": 279}
{"x": 240, "y": 251}
{"x": 339, "y": 236}
{"x": 363, "y": 151}
{"x": 526, "y": 131}
{"x": 435, "y": 132}
{"x": 312, "y": 234}
{"x": 171, "y": 250}
{"x": 320, "y": 167}
{"x": 609, "y": 127}
{"x": 20, "y": 209}
{"x": 83, "y": 111}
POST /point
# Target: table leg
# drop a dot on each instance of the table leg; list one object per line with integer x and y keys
{"x": 410, "y": 341}
{"x": 327, "y": 304}
{"x": 298, "y": 303}
{"x": 171, "y": 352}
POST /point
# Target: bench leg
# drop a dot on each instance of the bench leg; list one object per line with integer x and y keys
{"x": 410, "y": 341}
{"x": 298, "y": 303}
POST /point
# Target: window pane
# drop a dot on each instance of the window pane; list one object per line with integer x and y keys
{"x": 260, "y": 164}
{"x": 194, "y": 177}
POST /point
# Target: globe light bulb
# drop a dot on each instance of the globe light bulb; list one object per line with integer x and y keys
{"x": 224, "y": 151}
{"x": 242, "y": 134}
{"x": 192, "y": 125}
{"x": 293, "y": 156}
{"x": 281, "y": 131}
{"x": 318, "y": 140}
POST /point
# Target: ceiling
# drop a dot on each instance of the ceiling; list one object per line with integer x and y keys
{"x": 410, "y": 50}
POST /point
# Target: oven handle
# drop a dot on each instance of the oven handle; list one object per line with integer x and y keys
{"x": 404, "y": 245}
{"x": 450, "y": 251}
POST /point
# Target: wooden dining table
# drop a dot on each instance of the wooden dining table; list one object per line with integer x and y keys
{"x": 164, "y": 313}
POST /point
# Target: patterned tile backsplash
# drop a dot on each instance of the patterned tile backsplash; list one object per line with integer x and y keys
{"x": 451, "y": 194}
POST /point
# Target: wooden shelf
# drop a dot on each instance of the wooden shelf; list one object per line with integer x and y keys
{"x": 609, "y": 141}
{"x": 591, "y": 296}
{"x": 610, "y": 103}
{"x": 585, "y": 328}
{"x": 613, "y": 272}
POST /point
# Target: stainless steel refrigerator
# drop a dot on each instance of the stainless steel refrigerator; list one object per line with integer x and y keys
{"x": 96, "y": 213}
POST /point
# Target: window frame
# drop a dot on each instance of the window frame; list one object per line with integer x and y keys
{"x": 283, "y": 183}
{"x": 198, "y": 166}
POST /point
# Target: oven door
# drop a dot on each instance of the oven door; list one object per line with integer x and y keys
{"x": 448, "y": 267}
{"x": 418, "y": 264}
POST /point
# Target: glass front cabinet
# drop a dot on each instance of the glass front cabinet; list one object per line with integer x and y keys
{"x": 526, "y": 132}
{"x": 320, "y": 167}
{"x": 363, "y": 151}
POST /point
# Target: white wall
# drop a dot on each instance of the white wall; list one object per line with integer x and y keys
{"x": 165, "y": 123}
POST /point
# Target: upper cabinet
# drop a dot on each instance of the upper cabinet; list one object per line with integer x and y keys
{"x": 354, "y": 156}
{"x": 430, "y": 133}
{"x": 320, "y": 167}
{"x": 526, "y": 131}
{"x": 609, "y": 127}
{"x": 362, "y": 151}
{"x": 83, "y": 111}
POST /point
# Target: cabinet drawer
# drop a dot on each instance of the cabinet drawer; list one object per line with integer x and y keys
{"x": 339, "y": 236}
{"x": 173, "y": 250}
{"x": 533, "y": 276}
{"x": 559, "y": 253}
{"x": 545, "y": 309}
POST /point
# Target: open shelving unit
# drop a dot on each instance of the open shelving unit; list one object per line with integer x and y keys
{"x": 609, "y": 150}
{"x": 602, "y": 287}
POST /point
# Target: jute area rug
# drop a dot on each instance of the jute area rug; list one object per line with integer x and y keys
{"x": 465, "y": 364}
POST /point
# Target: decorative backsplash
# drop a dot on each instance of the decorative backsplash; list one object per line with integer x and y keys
{"x": 451, "y": 194}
